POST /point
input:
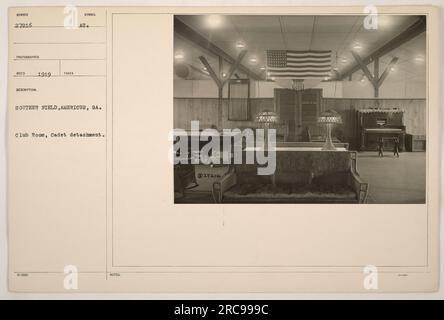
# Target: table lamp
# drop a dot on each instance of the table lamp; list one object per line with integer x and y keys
{"x": 329, "y": 118}
{"x": 266, "y": 118}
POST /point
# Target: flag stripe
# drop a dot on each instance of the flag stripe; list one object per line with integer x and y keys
{"x": 296, "y": 61}
{"x": 291, "y": 76}
{"x": 323, "y": 64}
{"x": 300, "y": 70}
{"x": 303, "y": 65}
{"x": 303, "y": 72}
{"x": 323, "y": 56}
{"x": 299, "y": 76}
{"x": 298, "y": 64}
{"x": 307, "y": 51}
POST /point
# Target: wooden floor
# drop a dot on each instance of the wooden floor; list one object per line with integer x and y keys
{"x": 392, "y": 179}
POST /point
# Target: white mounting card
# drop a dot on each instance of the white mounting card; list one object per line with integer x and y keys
{"x": 93, "y": 98}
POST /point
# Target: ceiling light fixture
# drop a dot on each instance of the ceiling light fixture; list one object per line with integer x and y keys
{"x": 214, "y": 20}
{"x": 253, "y": 60}
{"x": 419, "y": 59}
{"x": 357, "y": 46}
{"x": 344, "y": 60}
{"x": 179, "y": 56}
{"x": 262, "y": 68}
{"x": 240, "y": 45}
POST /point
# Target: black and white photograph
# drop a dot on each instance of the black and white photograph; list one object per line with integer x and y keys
{"x": 300, "y": 109}
{"x": 231, "y": 151}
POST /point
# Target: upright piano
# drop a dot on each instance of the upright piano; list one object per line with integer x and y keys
{"x": 385, "y": 123}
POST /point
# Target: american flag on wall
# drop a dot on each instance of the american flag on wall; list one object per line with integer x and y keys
{"x": 289, "y": 64}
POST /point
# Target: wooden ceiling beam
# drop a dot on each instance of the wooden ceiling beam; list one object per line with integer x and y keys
{"x": 375, "y": 79}
{"x": 364, "y": 68}
{"x": 210, "y": 70}
{"x": 234, "y": 66}
{"x": 387, "y": 71}
{"x": 411, "y": 32}
{"x": 198, "y": 70}
{"x": 196, "y": 38}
